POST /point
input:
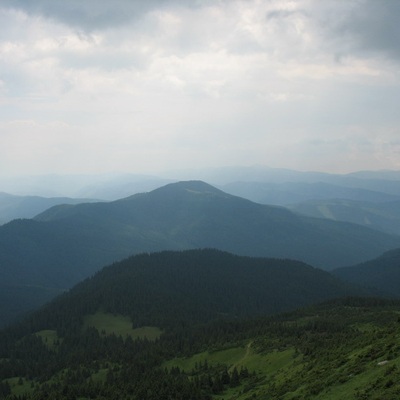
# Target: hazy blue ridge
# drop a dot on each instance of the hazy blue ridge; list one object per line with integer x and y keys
{"x": 14, "y": 207}
{"x": 384, "y": 216}
{"x": 288, "y": 193}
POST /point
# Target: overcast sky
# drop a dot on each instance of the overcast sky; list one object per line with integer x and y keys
{"x": 143, "y": 86}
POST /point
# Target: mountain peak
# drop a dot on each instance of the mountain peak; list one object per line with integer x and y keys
{"x": 193, "y": 186}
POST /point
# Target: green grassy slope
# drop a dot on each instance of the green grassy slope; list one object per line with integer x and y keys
{"x": 111, "y": 324}
{"x": 342, "y": 351}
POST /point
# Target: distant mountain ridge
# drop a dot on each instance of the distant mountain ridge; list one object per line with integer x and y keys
{"x": 383, "y": 216}
{"x": 117, "y": 185}
{"x": 194, "y": 214}
{"x": 289, "y": 193}
{"x": 377, "y": 181}
{"x": 66, "y": 244}
{"x": 107, "y": 187}
{"x": 13, "y": 207}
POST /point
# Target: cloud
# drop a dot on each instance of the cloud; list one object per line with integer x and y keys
{"x": 367, "y": 28}
{"x": 92, "y": 15}
{"x": 374, "y": 27}
{"x": 346, "y": 28}
{"x": 134, "y": 85}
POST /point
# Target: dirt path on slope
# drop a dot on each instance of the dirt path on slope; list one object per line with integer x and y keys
{"x": 240, "y": 362}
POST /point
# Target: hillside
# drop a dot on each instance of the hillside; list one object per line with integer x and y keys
{"x": 383, "y": 216}
{"x": 177, "y": 325}
{"x": 382, "y": 273}
{"x": 196, "y": 286}
{"x": 67, "y": 243}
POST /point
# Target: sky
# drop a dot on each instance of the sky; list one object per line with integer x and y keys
{"x": 97, "y": 86}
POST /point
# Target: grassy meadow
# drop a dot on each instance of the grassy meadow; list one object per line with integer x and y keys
{"x": 119, "y": 325}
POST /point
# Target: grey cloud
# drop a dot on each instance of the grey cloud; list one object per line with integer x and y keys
{"x": 373, "y": 26}
{"x": 91, "y": 15}
{"x": 281, "y": 14}
{"x": 351, "y": 26}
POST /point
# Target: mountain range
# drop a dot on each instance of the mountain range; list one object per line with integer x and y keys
{"x": 193, "y": 310}
{"x": 118, "y": 185}
{"x": 65, "y": 244}
{"x": 292, "y": 193}
{"x": 107, "y": 187}
{"x": 194, "y": 214}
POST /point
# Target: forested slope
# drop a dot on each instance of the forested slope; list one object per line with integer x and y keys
{"x": 195, "y": 286}
{"x": 204, "y": 341}
{"x": 382, "y": 273}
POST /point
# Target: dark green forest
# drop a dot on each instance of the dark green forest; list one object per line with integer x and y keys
{"x": 382, "y": 273}
{"x": 193, "y": 286}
